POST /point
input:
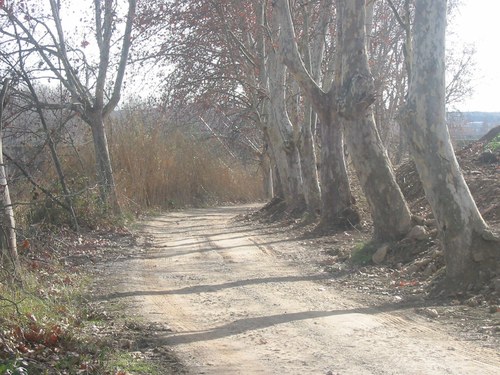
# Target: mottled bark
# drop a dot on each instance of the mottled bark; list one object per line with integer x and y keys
{"x": 281, "y": 129}
{"x": 471, "y": 252}
{"x": 336, "y": 198}
{"x": 337, "y": 202}
{"x": 390, "y": 213}
{"x": 267, "y": 175}
{"x": 266, "y": 118}
{"x": 313, "y": 51}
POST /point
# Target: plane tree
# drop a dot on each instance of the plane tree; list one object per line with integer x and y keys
{"x": 347, "y": 104}
{"x": 471, "y": 250}
{"x": 214, "y": 50}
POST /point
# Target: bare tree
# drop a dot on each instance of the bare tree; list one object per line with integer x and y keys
{"x": 95, "y": 90}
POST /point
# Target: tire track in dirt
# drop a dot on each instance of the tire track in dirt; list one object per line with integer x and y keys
{"x": 236, "y": 306}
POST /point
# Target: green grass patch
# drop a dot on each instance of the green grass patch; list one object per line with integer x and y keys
{"x": 132, "y": 364}
{"x": 494, "y": 145}
{"x": 362, "y": 253}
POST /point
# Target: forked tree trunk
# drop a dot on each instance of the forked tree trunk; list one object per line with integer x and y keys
{"x": 313, "y": 51}
{"x": 390, "y": 214}
{"x": 337, "y": 207}
{"x": 471, "y": 252}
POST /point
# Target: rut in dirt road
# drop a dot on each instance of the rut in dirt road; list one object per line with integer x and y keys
{"x": 235, "y": 305}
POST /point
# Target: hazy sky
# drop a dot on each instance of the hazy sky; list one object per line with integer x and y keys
{"x": 478, "y": 22}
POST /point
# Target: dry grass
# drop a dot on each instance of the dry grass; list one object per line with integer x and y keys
{"x": 155, "y": 166}
{"x": 160, "y": 168}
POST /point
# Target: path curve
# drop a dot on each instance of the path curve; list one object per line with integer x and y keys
{"x": 235, "y": 305}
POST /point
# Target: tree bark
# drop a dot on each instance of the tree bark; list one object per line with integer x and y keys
{"x": 337, "y": 202}
{"x": 107, "y": 187}
{"x": 281, "y": 130}
{"x": 308, "y": 163}
{"x": 390, "y": 214}
{"x": 336, "y": 199}
{"x": 267, "y": 173}
{"x": 313, "y": 51}
{"x": 471, "y": 251}
{"x": 8, "y": 211}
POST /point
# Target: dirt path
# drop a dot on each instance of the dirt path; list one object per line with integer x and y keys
{"x": 236, "y": 305}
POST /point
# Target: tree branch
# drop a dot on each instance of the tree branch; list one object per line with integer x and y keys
{"x": 289, "y": 52}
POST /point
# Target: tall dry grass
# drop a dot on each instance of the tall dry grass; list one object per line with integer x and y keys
{"x": 155, "y": 166}
{"x": 160, "y": 167}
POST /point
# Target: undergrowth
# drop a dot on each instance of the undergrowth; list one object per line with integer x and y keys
{"x": 494, "y": 144}
{"x": 363, "y": 252}
{"x": 156, "y": 167}
{"x": 48, "y": 327}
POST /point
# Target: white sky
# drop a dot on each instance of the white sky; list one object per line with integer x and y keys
{"x": 478, "y": 22}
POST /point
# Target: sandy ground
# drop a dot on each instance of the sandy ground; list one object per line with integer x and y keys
{"x": 235, "y": 302}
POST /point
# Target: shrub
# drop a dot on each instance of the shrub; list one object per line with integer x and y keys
{"x": 494, "y": 144}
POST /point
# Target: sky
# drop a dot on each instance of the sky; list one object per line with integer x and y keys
{"x": 478, "y": 22}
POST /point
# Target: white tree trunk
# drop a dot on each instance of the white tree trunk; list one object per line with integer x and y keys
{"x": 308, "y": 162}
{"x": 10, "y": 222}
{"x": 281, "y": 128}
{"x": 471, "y": 252}
{"x": 390, "y": 213}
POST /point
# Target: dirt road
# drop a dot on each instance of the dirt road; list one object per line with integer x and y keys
{"x": 237, "y": 304}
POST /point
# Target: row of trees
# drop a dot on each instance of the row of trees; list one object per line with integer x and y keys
{"x": 317, "y": 79}
{"x": 313, "y": 75}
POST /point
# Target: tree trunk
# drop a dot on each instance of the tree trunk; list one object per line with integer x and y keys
{"x": 277, "y": 184}
{"x": 306, "y": 148}
{"x": 272, "y": 137}
{"x": 279, "y": 164}
{"x": 267, "y": 174}
{"x": 10, "y": 222}
{"x": 337, "y": 207}
{"x": 312, "y": 50}
{"x": 103, "y": 162}
{"x": 390, "y": 213}
{"x": 471, "y": 252}
{"x": 281, "y": 130}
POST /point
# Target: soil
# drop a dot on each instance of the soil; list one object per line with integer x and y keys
{"x": 217, "y": 292}
{"x": 254, "y": 290}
